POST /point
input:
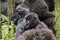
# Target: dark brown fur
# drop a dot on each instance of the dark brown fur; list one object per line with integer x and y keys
{"x": 37, "y": 34}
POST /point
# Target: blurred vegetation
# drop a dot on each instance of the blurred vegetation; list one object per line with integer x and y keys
{"x": 57, "y": 11}
{"x": 7, "y": 31}
{"x": 0, "y": 22}
{"x": 6, "y": 25}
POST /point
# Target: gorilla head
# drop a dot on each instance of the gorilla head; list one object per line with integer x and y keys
{"x": 32, "y": 20}
{"x": 19, "y": 14}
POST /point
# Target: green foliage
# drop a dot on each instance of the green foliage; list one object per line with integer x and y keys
{"x": 57, "y": 10}
{"x": 0, "y": 12}
{"x": 7, "y": 30}
{"x": 7, "y": 26}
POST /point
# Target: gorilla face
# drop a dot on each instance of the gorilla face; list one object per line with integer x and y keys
{"x": 21, "y": 11}
{"x": 31, "y": 20}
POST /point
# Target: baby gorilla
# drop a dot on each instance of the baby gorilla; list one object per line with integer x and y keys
{"x": 30, "y": 21}
{"x": 37, "y": 34}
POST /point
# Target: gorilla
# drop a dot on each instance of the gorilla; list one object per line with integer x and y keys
{"x": 40, "y": 7}
{"x": 37, "y": 34}
{"x": 19, "y": 14}
{"x": 30, "y": 21}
